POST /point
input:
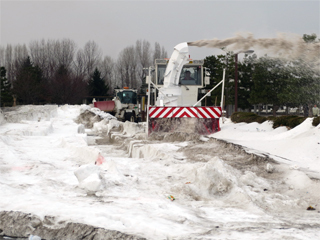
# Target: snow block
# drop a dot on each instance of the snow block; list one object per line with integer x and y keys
{"x": 89, "y": 178}
{"x": 92, "y": 183}
{"x": 81, "y": 129}
{"x": 85, "y": 171}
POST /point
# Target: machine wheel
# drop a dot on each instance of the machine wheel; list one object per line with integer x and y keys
{"x": 131, "y": 117}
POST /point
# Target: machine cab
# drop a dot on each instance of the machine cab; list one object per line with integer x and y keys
{"x": 190, "y": 80}
{"x": 191, "y": 73}
{"x": 127, "y": 96}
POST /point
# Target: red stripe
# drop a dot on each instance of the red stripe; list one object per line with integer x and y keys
{"x": 159, "y": 114}
{"x": 201, "y": 113}
{"x": 216, "y": 112}
{"x": 185, "y": 114}
{"x": 154, "y": 110}
{"x": 177, "y": 112}
{"x": 191, "y": 112}
{"x": 169, "y": 112}
{"x": 207, "y": 111}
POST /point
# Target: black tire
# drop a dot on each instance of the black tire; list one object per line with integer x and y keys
{"x": 131, "y": 117}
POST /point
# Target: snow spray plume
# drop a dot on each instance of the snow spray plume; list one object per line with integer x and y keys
{"x": 289, "y": 47}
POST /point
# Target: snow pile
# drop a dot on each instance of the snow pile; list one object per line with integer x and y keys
{"x": 100, "y": 113}
{"x": 2, "y": 120}
{"x": 214, "y": 179}
{"x": 30, "y": 113}
{"x": 89, "y": 116}
{"x": 131, "y": 128}
{"x": 106, "y": 125}
{"x": 298, "y": 146}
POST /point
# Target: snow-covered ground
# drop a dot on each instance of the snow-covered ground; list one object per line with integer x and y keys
{"x": 101, "y": 172}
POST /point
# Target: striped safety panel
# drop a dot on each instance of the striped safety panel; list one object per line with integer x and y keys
{"x": 180, "y": 112}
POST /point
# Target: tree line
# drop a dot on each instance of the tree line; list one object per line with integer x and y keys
{"x": 56, "y": 71}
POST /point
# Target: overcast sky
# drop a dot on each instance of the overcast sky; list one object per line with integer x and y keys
{"x": 114, "y": 25}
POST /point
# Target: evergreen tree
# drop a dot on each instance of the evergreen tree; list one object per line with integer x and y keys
{"x": 29, "y": 85}
{"x": 270, "y": 80}
{"x": 60, "y": 90}
{"x": 66, "y": 88}
{"x": 5, "y": 87}
{"x": 310, "y": 38}
{"x": 215, "y": 65}
{"x": 97, "y": 85}
{"x": 245, "y": 82}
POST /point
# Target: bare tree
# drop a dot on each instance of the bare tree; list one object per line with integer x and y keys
{"x": 79, "y": 64}
{"x": 20, "y": 53}
{"x": 157, "y": 51}
{"x": 37, "y": 53}
{"x": 64, "y": 52}
{"x": 107, "y": 67}
{"x": 92, "y": 56}
{"x": 126, "y": 67}
{"x": 42, "y": 55}
{"x": 2, "y": 56}
{"x": 143, "y": 56}
{"x": 9, "y": 63}
{"x": 164, "y": 53}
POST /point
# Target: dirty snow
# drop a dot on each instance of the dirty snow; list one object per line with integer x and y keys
{"x": 49, "y": 167}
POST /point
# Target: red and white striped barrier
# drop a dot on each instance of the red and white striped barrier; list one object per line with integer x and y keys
{"x": 180, "y": 112}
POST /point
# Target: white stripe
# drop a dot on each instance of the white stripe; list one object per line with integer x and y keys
{"x": 181, "y": 112}
{"x": 187, "y": 111}
{"x": 165, "y": 112}
{"x": 212, "y": 112}
{"x": 195, "y": 112}
{"x": 175, "y": 110}
{"x": 204, "y": 113}
{"x": 155, "y": 113}
{"x": 151, "y": 110}
{"x": 218, "y": 110}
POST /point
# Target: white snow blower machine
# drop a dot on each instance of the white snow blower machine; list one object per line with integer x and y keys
{"x": 178, "y": 83}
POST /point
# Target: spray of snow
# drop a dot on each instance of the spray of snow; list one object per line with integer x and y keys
{"x": 285, "y": 45}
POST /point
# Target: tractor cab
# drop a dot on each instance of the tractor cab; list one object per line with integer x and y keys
{"x": 127, "y": 96}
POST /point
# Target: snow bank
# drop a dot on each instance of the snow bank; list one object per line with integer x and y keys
{"x": 106, "y": 125}
{"x": 2, "y": 119}
{"x": 31, "y": 113}
{"x": 279, "y": 143}
{"x": 131, "y": 128}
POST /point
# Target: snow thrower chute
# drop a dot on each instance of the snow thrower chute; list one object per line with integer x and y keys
{"x": 178, "y": 84}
